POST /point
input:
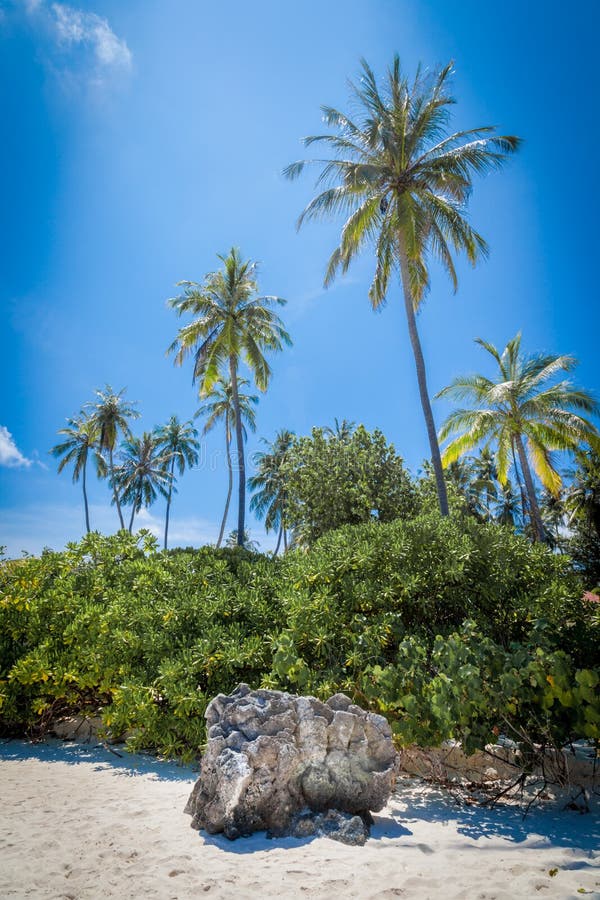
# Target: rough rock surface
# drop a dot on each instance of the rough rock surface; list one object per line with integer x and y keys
{"x": 333, "y": 824}
{"x": 272, "y": 759}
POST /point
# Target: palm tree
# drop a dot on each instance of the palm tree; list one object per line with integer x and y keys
{"x": 485, "y": 477}
{"x": 230, "y": 322}
{"x": 507, "y": 505}
{"x": 521, "y": 409}
{"x": 404, "y": 182}
{"x": 142, "y": 473}
{"x": 220, "y": 407}
{"x": 342, "y": 430}
{"x": 247, "y": 542}
{"x": 81, "y": 439}
{"x": 583, "y": 504}
{"x": 554, "y": 512}
{"x": 178, "y": 442}
{"x": 269, "y": 500}
{"x": 461, "y": 475}
{"x": 110, "y": 415}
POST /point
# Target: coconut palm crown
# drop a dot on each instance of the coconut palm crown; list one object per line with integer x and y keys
{"x": 110, "y": 415}
{"x": 521, "y": 410}
{"x": 402, "y": 181}
{"x": 81, "y": 437}
{"x": 179, "y": 445}
{"x": 269, "y": 485}
{"x": 142, "y": 474}
{"x": 231, "y": 322}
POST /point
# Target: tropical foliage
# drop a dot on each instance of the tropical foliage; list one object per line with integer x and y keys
{"x": 404, "y": 180}
{"x": 110, "y": 415}
{"x": 461, "y": 603}
{"x": 269, "y": 486}
{"x": 523, "y": 411}
{"x": 220, "y": 407}
{"x": 582, "y": 503}
{"x": 178, "y": 444}
{"x": 142, "y": 474}
{"x": 343, "y": 476}
{"x": 81, "y": 443}
{"x": 451, "y": 628}
{"x": 231, "y": 323}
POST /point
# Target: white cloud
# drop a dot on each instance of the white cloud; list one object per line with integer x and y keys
{"x": 73, "y": 26}
{"x": 101, "y": 52}
{"x": 10, "y": 455}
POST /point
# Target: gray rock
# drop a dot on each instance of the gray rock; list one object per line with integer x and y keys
{"x": 288, "y": 764}
{"x": 339, "y": 826}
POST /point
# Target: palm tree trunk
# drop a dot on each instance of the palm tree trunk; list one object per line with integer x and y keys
{"x": 415, "y": 341}
{"x": 279, "y": 536}
{"x": 534, "y": 510}
{"x": 132, "y": 516}
{"x": 240, "y": 448}
{"x": 114, "y": 487}
{"x": 169, "y": 502}
{"x": 519, "y": 482}
{"x": 85, "y": 499}
{"x": 230, "y": 484}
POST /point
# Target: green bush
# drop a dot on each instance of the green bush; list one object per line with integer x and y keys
{"x": 468, "y": 688}
{"x": 344, "y": 477}
{"x": 150, "y": 637}
{"x": 360, "y": 590}
{"x": 449, "y": 627}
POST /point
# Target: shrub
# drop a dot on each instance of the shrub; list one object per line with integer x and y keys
{"x": 150, "y": 637}
{"x": 449, "y": 627}
{"x": 344, "y": 477}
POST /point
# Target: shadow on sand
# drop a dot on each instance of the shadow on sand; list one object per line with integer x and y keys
{"x": 384, "y": 827}
{"x": 102, "y": 757}
{"x": 545, "y": 825}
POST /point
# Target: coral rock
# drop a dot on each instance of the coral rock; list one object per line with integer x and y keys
{"x": 274, "y": 759}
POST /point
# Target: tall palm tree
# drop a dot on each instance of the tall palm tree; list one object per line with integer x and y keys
{"x": 521, "y": 407}
{"x": 231, "y": 322}
{"x": 403, "y": 181}
{"x": 179, "y": 445}
{"x": 269, "y": 500}
{"x": 81, "y": 440}
{"x": 110, "y": 414}
{"x": 142, "y": 473}
{"x": 218, "y": 407}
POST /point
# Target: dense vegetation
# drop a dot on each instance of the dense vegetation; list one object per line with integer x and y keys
{"x": 450, "y": 627}
{"x": 340, "y": 477}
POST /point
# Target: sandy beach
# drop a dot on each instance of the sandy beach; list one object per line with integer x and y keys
{"x": 80, "y": 822}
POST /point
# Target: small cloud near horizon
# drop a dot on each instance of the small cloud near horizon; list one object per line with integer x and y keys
{"x": 10, "y": 455}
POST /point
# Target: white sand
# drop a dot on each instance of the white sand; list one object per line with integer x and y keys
{"x": 78, "y": 822}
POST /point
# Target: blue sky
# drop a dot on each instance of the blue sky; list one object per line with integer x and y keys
{"x": 142, "y": 138}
